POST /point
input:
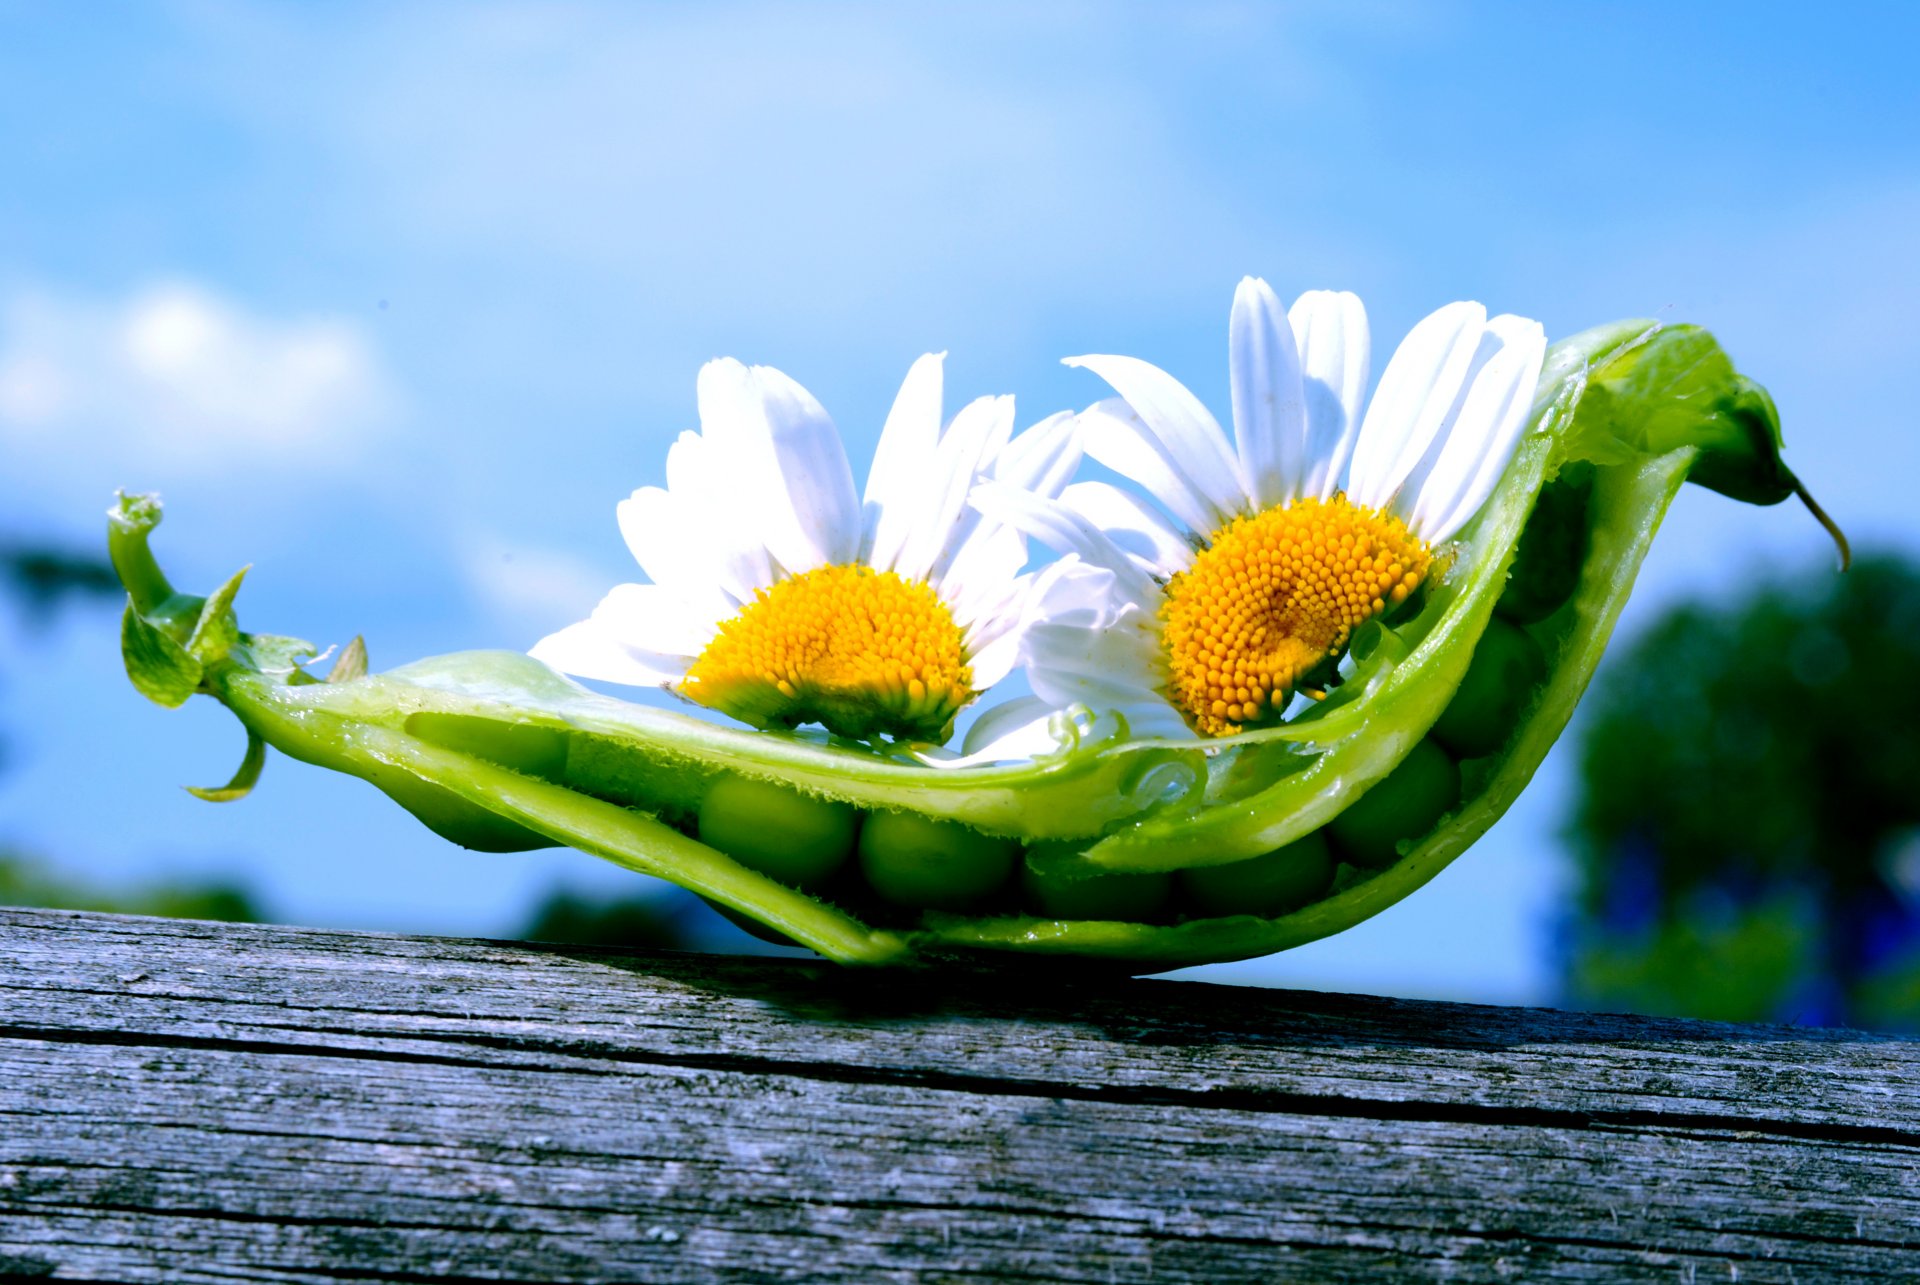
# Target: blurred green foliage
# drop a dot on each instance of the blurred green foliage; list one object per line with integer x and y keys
{"x": 1747, "y": 826}
{"x": 656, "y": 920}
{"x": 26, "y": 882}
{"x": 41, "y": 577}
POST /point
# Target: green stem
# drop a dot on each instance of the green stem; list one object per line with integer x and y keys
{"x": 1820, "y": 516}
{"x": 129, "y": 524}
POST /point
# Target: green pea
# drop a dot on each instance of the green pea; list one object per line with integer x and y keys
{"x": 782, "y": 833}
{"x": 1404, "y": 806}
{"x": 1507, "y": 666}
{"x": 524, "y": 747}
{"x": 1118, "y": 895}
{"x": 1269, "y": 886}
{"x": 1553, "y": 548}
{"x": 932, "y": 865}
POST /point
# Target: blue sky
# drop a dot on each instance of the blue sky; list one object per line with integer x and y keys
{"x": 395, "y": 302}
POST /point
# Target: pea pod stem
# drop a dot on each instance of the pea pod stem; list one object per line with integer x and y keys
{"x": 129, "y": 524}
{"x": 1840, "y": 543}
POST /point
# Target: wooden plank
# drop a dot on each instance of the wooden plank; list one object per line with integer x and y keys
{"x": 200, "y": 1102}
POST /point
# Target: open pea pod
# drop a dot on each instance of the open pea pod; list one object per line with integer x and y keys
{"x": 1112, "y": 846}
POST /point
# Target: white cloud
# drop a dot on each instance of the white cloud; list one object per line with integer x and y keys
{"x": 175, "y": 371}
{"x": 744, "y": 168}
{"x": 532, "y": 591}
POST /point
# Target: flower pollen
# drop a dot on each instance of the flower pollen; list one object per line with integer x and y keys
{"x": 1275, "y": 596}
{"x": 859, "y": 651}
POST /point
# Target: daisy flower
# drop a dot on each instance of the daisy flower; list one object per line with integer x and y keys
{"x": 780, "y": 597}
{"x": 1326, "y": 510}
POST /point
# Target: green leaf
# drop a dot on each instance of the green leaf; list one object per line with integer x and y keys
{"x": 217, "y": 630}
{"x": 275, "y": 654}
{"x": 161, "y": 669}
{"x": 245, "y": 777}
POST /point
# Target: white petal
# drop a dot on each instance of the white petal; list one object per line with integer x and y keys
{"x": 687, "y": 464}
{"x": 665, "y": 621}
{"x": 668, "y": 542}
{"x": 976, "y": 434}
{"x": 902, "y": 460}
{"x": 1119, "y": 439}
{"x": 1115, "y": 657}
{"x": 1330, "y": 330}
{"x": 1076, "y": 592}
{"x": 733, "y": 426}
{"x": 1417, "y": 395}
{"x": 1178, "y": 427}
{"x": 1013, "y": 729}
{"x": 720, "y": 514}
{"x": 1132, "y": 524}
{"x": 1146, "y": 711}
{"x": 586, "y": 651}
{"x": 983, "y": 571}
{"x": 1089, "y": 641}
{"x": 1061, "y": 528}
{"x": 1495, "y": 412}
{"x": 993, "y": 661}
{"x": 1044, "y": 458}
{"x": 1404, "y": 497}
{"x": 1006, "y": 625}
{"x": 1269, "y": 414}
{"x": 810, "y": 473}
{"x": 1081, "y": 620}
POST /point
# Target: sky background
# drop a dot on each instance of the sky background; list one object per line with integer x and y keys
{"x": 395, "y": 302}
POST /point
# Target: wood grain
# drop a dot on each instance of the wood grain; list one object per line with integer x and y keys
{"x": 204, "y": 1102}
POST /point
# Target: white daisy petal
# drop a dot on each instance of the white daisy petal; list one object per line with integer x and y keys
{"x": 664, "y": 538}
{"x": 1013, "y": 729}
{"x": 1178, "y": 427}
{"x": 1002, "y": 627}
{"x": 1044, "y": 458}
{"x": 1417, "y": 395}
{"x": 1062, "y": 671}
{"x": 1133, "y": 524}
{"x": 662, "y": 620}
{"x": 1269, "y": 414}
{"x": 1330, "y": 331}
{"x": 1119, "y": 439}
{"x": 1491, "y": 419}
{"x": 717, "y": 512}
{"x": 586, "y": 651}
{"x": 811, "y": 474}
{"x": 979, "y": 431}
{"x": 1146, "y": 711}
{"x": 902, "y": 460}
{"x": 1089, "y": 639}
{"x": 1077, "y": 592}
{"x": 993, "y": 661}
{"x": 687, "y": 468}
{"x": 733, "y": 426}
{"x": 983, "y": 571}
{"x": 1061, "y": 528}
{"x": 1117, "y": 655}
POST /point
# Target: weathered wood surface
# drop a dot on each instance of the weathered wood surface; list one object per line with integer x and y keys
{"x": 200, "y": 1102}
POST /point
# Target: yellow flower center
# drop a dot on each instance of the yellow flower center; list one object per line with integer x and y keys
{"x": 1275, "y": 597}
{"x": 860, "y": 651}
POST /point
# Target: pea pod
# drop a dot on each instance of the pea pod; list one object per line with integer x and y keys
{"x": 496, "y": 751}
